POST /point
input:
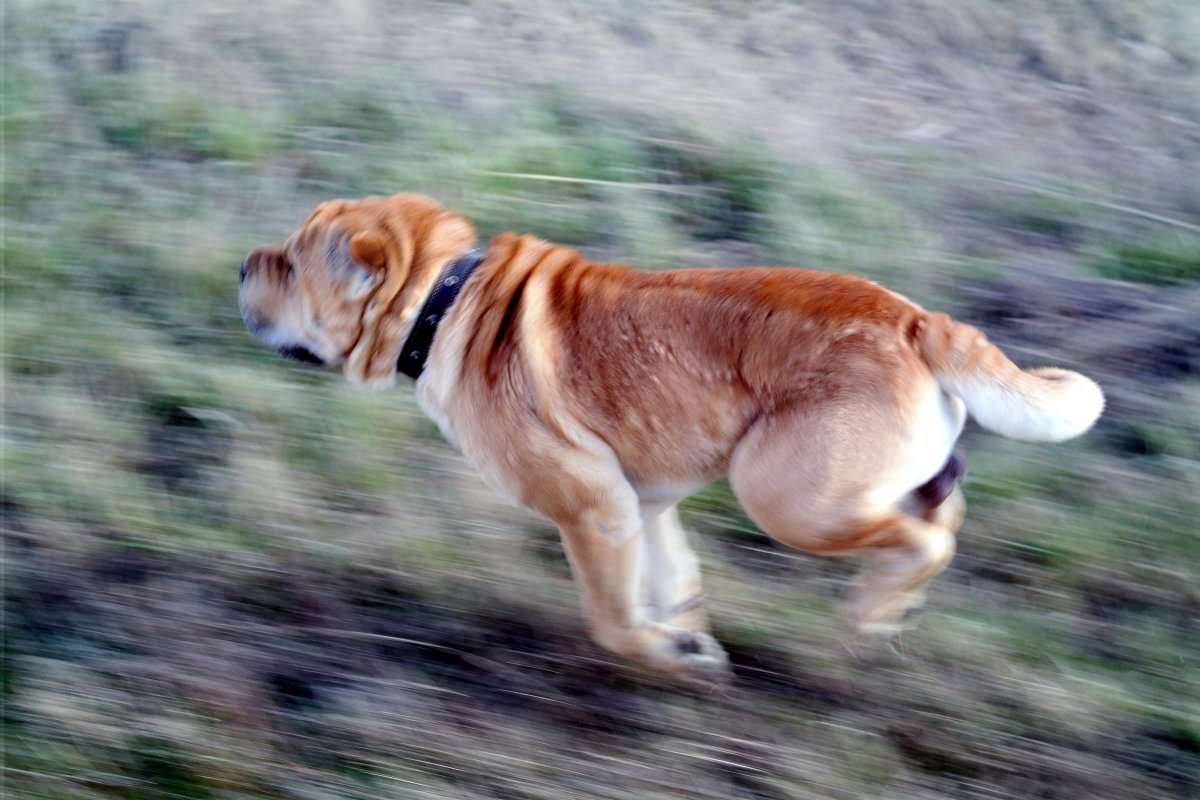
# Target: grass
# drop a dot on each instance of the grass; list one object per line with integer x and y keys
{"x": 226, "y": 577}
{"x": 1171, "y": 262}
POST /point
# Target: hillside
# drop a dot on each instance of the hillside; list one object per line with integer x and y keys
{"x": 227, "y": 577}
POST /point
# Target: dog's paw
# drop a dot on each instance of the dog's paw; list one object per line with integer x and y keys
{"x": 881, "y": 618}
{"x": 690, "y": 656}
{"x": 701, "y": 661}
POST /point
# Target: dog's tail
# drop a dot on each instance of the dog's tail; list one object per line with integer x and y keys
{"x": 1039, "y": 405}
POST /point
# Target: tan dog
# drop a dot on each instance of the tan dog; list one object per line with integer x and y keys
{"x": 599, "y": 397}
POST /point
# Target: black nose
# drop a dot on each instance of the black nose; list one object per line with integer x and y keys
{"x": 242, "y": 272}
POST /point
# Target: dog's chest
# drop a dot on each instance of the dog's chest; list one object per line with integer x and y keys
{"x": 432, "y": 397}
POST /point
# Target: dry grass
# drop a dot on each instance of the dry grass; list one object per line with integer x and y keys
{"x": 227, "y": 578}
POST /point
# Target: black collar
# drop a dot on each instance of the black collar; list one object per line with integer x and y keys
{"x": 441, "y": 297}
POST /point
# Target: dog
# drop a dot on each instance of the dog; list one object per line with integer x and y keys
{"x": 599, "y": 396}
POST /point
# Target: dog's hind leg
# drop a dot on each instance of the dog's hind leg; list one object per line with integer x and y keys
{"x": 903, "y": 556}
{"x": 811, "y": 484}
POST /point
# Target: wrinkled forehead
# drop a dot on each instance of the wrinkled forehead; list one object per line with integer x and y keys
{"x": 316, "y": 230}
{"x": 329, "y": 224}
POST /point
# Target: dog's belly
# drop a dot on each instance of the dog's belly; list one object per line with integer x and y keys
{"x": 659, "y": 496}
{"x": 668, "y": 461}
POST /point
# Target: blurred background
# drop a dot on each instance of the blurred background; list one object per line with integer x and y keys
{"x": 229, "y": 577}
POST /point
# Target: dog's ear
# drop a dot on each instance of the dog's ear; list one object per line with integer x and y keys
{"x": 368, "y": 261}
{"x": 367, "y": 249}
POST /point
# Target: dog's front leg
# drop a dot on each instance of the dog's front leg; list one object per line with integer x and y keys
{"x": 605, "y": 544}
{"x": 671, "y": 571}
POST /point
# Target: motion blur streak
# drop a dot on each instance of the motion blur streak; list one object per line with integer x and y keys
{"x": 227, "y": 576}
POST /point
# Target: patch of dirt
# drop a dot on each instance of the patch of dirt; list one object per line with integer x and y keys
{"x": 317, "y": 668}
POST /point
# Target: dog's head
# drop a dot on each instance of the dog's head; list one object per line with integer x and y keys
{"x": 343, "y": 289}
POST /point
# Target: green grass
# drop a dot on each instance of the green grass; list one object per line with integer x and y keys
{"x": 198, "y": 535}
{"x": 1169, "y": 262}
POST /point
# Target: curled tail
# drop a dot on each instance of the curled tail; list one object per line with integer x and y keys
{"x": 1045, "y": 404}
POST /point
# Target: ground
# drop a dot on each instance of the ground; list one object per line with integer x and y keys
{"x": 227, "y": 577}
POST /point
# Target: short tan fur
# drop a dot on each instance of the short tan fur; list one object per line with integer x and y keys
{"x": 600, "y": 396}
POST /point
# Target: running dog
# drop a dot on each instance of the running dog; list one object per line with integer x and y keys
{"x": 599, "y": 396}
